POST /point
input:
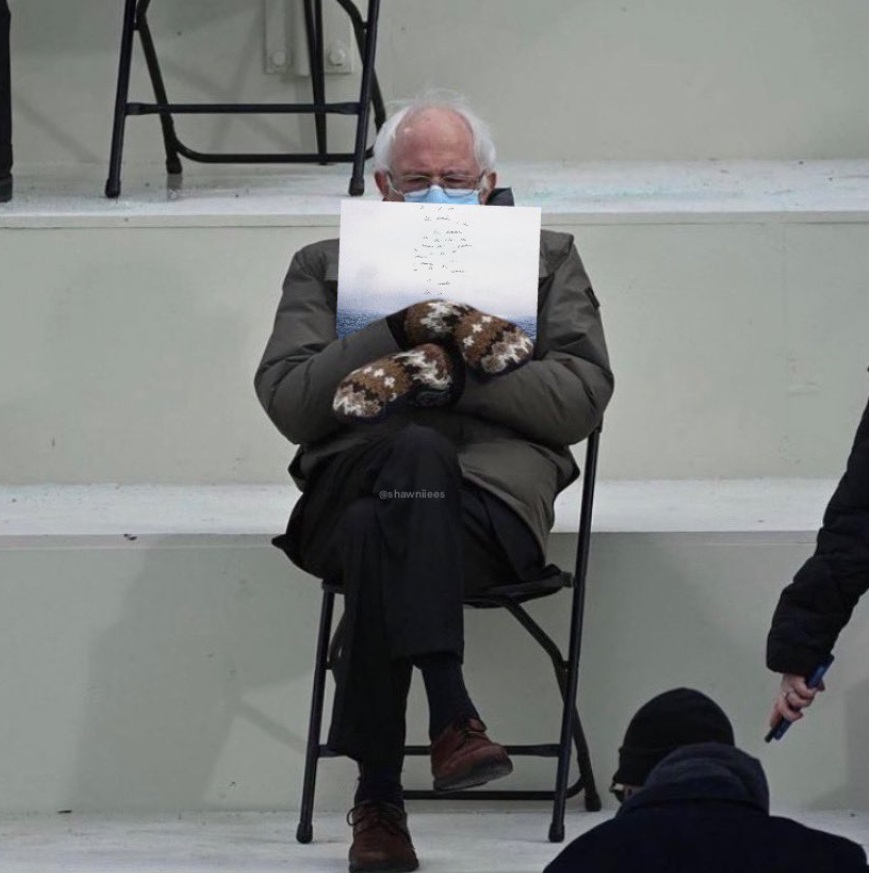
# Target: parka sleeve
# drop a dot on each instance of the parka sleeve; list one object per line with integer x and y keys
{"x": 559, "y": 397}
{"x": 814, "y": 608}
{"x": 303, "y": 360}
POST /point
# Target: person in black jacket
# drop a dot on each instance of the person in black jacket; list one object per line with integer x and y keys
{"x": 706, "y": 807}
{"x": 814, "y": 608}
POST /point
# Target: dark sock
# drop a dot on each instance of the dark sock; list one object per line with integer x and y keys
{"x": 380, "y": 783}
{"x": 448, "y": 699}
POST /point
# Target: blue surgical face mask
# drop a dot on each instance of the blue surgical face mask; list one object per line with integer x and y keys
{"x": 436, "y": 194}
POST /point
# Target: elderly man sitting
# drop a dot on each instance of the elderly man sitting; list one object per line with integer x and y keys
{"x": 482, "y": 426}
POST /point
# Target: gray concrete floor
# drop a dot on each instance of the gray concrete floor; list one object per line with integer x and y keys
{"x": 447, "y": 842}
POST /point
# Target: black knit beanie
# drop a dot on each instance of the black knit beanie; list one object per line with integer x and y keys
{"x": 675, "y": 718}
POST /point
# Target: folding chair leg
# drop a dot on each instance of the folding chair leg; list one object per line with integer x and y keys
{"x": 113, "y": 183}
{"x": 5, "y": 105}
{"x": 556, "y": 829}
{"x": 357, "y": 179}
{"x": 314, "y": 29}
{"x": 583, "y": 761}
{"x": 572, "y": 723}
{"x": 170, "y": 140}
{"x": 566, "y": 677}
{"x": 305, "y": 830}
{"x": 359, "y": 33}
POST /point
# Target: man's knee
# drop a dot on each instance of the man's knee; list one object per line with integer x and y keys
{"x": 423, "y": 448}
{"x": 416, "y": 437}
{"x": 359, "y": 520}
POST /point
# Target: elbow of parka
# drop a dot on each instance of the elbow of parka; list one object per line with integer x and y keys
{"x": 288, "y": 409}
{"x": 303, "y": 421}
{"x": 586, "y": 414}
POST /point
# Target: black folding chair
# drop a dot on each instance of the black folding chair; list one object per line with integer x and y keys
{"x": 566, "y": 674}
{"x": 365, "y": 32}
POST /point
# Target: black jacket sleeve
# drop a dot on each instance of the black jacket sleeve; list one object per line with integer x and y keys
{"x": 814, "y": 608}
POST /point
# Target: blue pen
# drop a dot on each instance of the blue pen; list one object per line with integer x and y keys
{"x": 781, "y": 726}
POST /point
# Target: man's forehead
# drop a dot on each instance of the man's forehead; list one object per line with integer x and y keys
{"x": 434, "y": 134}
{"x": 435, "y": 117}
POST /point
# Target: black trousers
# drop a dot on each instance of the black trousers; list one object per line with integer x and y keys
{"x": 409, "y": 540}
{"x": 5, "y": 94}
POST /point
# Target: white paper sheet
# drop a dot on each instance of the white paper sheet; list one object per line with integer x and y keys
{"x": 396, "y": 254}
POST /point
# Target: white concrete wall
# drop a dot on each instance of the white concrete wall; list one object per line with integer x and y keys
{"x": 559, "y": 80}
{"x": 128, "y": 354}
{"x": 174, "y": 673}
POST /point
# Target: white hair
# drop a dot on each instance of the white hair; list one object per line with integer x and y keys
{"x": 484, "y": 146}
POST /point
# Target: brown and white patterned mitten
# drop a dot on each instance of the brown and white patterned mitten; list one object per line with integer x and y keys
{"x": 489, "y": 345}
{"x": 424, "y": 376}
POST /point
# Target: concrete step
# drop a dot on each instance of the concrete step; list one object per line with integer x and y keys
{"x": 156, "y": 651}
{"x": 718, "y": 191}
{"x": 746, "y": 505}
{"x": 139, "y": 324}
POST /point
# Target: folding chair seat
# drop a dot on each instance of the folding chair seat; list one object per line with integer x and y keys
{"x": 566, "y": 671}
{"x": 365, "y": 32}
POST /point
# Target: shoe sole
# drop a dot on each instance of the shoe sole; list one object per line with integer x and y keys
{"x": 387, "y": 867}
{"x": 485, "y": 771}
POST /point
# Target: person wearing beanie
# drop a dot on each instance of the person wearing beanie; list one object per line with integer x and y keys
{"x": 705, "y": 807}
{"x": 676, "y": 718}
{"x": 702, "y": 806}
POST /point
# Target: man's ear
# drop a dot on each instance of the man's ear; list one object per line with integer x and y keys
{"x": 382, "y": 182}
{"x": 489, "y": 184}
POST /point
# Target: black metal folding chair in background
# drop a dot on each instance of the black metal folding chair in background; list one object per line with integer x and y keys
{"x": 365, "y": 32}
{"x": 5, "y": 106}
{"x": 566, "y": 674}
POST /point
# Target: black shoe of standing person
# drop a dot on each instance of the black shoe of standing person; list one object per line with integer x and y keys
{"x": 6, "y": 189}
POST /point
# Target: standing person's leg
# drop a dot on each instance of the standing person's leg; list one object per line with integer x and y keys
{"x": 5, "y": 106}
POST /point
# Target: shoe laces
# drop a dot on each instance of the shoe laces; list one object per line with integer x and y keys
{"x": 469, "y": 731}
{"x": 373, "y": 813}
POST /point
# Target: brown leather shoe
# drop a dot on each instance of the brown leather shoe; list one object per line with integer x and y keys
{"x": 381, "y": 840}
{"x": 463, "y": 756}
